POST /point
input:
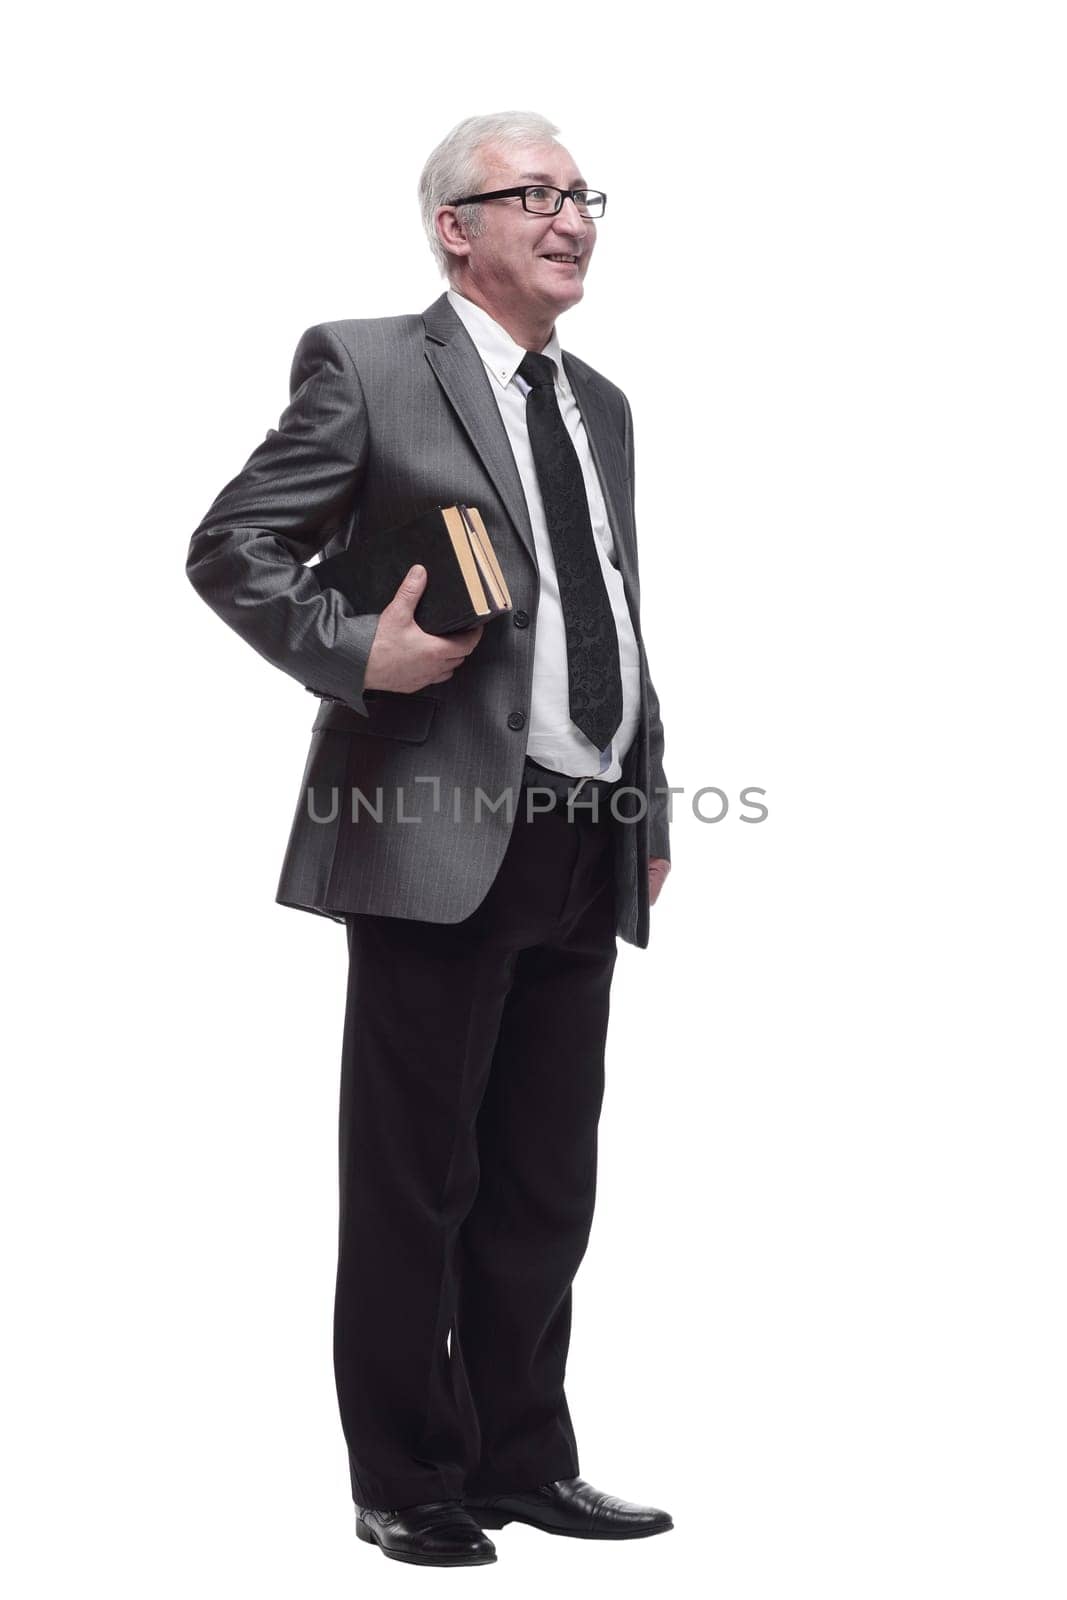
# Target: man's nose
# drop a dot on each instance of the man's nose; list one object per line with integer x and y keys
{"x": 570, "y": 219}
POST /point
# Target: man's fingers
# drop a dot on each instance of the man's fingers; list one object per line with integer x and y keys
{"x": 460, "y": 645}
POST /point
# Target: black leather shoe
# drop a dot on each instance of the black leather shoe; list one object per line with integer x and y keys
{"x": 573, "y": 1507}
{"x": 438, "y": 1534}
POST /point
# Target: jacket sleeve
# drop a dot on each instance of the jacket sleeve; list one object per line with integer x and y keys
{"x": 247, "y": 557}
{"x": 658, "y": 799}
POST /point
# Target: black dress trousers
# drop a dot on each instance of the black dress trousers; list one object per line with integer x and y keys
{"x": 471, "y": 1085}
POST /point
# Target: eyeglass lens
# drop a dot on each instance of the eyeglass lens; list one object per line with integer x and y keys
{"x": 590, "y": 202}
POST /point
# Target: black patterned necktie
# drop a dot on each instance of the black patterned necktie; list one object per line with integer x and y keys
{"x": 593, "y": 675}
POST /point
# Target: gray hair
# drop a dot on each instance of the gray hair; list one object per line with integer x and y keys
{"x": 456, "y": 167}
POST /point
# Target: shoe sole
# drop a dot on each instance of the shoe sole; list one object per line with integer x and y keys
{"x": 415, "y": 1560}
{"x": 499, "y": 1519}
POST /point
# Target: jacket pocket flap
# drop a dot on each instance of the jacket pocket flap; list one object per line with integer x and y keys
{"x": 390, "y": 715}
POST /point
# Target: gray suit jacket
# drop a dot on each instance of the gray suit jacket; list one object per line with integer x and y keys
{"x": 387, "y": 417}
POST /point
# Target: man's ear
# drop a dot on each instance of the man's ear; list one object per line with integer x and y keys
{"x": 451, "y": 232}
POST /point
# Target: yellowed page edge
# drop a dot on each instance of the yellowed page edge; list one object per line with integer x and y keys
{"x": 457, "y": 531}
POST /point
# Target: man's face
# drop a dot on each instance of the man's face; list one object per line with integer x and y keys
{"x": 511, "y": 261}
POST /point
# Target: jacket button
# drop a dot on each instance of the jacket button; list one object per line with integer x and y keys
{"x": 522, "y": 619}
{"x": 516, "y": 719}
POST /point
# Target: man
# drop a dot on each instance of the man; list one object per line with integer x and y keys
{"x": 481, "y": 935}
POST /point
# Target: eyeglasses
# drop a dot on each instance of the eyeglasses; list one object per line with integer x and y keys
{"x": 544, "y": 200}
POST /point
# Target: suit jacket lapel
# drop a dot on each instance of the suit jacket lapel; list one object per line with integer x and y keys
{"x": 461, "y": 373}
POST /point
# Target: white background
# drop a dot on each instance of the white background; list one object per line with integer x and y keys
{"x": 822, "y": 1314}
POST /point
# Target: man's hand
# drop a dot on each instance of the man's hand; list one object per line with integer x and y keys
{"x": 658, "y": 869}
{"x": 404, "y": 656}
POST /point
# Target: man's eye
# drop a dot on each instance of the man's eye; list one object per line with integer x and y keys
{"x": 537, "y": 194}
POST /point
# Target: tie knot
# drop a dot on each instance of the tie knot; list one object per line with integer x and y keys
{"x": 539, "y": 371}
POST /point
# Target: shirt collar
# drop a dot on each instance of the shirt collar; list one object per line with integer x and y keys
{"x": 496, "y": 346}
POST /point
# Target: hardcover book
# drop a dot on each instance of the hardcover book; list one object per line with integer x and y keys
{"x": 464, "y": 581}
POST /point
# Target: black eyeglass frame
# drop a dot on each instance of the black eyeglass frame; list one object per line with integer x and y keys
{"x": 521, "y": 193}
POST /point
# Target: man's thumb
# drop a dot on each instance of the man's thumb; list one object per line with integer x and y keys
{"x": 407, "y": 596}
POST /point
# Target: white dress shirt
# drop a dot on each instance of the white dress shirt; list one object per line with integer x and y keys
{"x": 553, "y": 739}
